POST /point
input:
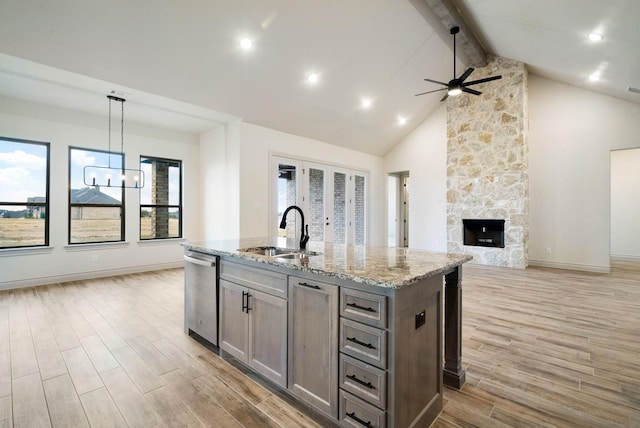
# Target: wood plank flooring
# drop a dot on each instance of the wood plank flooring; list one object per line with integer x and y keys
{"x": 547, "y": 347}
{"x": 541, "y": 348}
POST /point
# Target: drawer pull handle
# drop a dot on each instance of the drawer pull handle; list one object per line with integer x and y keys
{"x": 304, "y": 284}
{"x": 245, "y": 298}
{"x": 353, "y": 416}
{"x": 362, "y": 308}
{"x": 356, "y": 341}
{"x": 361, "y": 382}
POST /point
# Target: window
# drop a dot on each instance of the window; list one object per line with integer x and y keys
{"x": 24, "y": 193}
{"x": 161, "y": 198}
{"x": 96, "y": 213}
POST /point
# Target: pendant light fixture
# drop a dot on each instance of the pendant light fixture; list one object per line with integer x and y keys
{"x": 108, "y": 176}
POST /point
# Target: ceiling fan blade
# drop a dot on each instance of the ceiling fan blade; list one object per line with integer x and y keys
{"x": 466, "y": 74}
{"x": 471, "y": 91}
{"x": 486, "y": 79}
{"x": 435, "y": 81}
{"x": 437, "y": 90}
{"x": 445, "y": 97}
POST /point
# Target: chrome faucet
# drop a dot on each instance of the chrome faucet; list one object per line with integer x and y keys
{"x": 304, "y": 237}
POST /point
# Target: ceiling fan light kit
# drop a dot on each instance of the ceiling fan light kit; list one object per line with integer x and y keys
{"x": 459, "y": 85}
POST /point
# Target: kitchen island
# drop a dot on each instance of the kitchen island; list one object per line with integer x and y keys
{"x": 354, "y": 331}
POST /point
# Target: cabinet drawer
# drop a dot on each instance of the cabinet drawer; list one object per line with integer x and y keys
{"x": 363, "y": 380}
{"x": 366, "y": 343}
{"x": 364, "y": 307}
{"x": 274, "y": 283}
{"x": 356, "y": 413}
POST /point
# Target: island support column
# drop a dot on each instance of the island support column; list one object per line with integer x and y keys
{"x": 453, "y": 374}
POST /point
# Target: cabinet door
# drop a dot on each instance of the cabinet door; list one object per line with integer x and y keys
{"x": 234, "y": 322}
{"x": 313, "y": 339}
{"x": 268, "y": 336}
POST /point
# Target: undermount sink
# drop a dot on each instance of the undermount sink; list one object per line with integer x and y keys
{"x": 279, "y": 252}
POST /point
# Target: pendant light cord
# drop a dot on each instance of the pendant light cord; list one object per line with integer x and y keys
{"x": 122, "y": 128}
{"x": 109, "y": 155}
{"x": 121, "y": 100}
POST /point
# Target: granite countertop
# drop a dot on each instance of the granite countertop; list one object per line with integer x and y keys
{"x": 389, "y": 267}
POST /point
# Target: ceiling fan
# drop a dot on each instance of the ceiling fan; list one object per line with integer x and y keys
{"x": 457, "y": 86}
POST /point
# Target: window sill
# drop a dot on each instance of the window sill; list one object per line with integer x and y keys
{"x": 96, "y": 246}
{"x": 163, "y": 241}
{"x": 24, "y": 251}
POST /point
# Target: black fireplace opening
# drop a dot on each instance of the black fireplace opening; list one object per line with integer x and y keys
{"x": 483, "y": 233}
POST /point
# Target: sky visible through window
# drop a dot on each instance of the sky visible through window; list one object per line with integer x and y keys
{"x": 81, "y": 158}
{"x": 23, "y": 173}
{"x": 23, "y": 169}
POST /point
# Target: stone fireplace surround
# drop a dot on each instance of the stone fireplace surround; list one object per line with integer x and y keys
{"x": 487, "y": 168}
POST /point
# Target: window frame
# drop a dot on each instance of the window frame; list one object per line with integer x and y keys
{"x": 71, "y": 205}
{"x": 168, "y": 206}
{"x": 34, "y": 204}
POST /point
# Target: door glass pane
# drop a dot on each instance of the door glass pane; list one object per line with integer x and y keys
{"x": 339, "y": 207}
{"x": 316, "y": 204}
{"x": 359, "y": 208}
{"x": 287, "y": 190}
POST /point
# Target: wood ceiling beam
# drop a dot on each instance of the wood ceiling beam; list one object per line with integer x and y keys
{"x": 450, "y": 17}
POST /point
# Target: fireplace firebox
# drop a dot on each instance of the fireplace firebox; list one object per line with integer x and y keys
{"x": 483, "y": 233}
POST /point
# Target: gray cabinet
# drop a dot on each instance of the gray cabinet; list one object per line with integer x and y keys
{"x": 364, "y": 356}
{"x": 253, "y": 324}
{"x": 234, "y": 321}
{"x": 313, "y": 339}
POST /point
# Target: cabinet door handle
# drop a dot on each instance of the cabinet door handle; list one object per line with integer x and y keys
{"x": 353, "y": 416}
{"x": 356, "y": 341}
{"x": 245, "y": 298}
{"x": 361, "y": 382}
{"x": 362, "y": 308}
{"x": 304, "y": 284}
{"x": 248, "y": 308}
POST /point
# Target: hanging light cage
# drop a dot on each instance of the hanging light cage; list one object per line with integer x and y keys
{"x": 108, "y": 176}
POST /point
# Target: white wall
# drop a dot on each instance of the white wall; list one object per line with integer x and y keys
{"x": 572, "y": 132}
{"x": 64, "y": 128}
{"x": 220, "y": 166}
{"x": 258, "y": 143}
{"x": 625, "y": 204}
{"x": 424, "y": 154}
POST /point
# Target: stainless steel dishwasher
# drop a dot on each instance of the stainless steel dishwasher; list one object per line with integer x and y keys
{"x": 201, "y": 295}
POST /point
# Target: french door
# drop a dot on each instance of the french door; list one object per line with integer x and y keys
{"x": 333, "y": 200}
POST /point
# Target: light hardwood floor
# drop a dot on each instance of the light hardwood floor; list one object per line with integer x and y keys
{"x": 541, "y": 348}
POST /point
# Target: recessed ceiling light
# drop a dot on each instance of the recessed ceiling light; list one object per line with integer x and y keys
{"x": 246, "y": 43}
{"x": 402, "y": 120}
{"x": 595, "y": 37}
{"x": 594, "y": 77}
{"x": 313, "y": 78}
{"x": 366, "y": 102}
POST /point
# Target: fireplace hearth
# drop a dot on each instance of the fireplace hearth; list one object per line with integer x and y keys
{"x": 483, "y": 233}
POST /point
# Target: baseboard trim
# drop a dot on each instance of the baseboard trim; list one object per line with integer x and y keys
{"x": 624, "y": 258}
{"x": 570, "y": 266}
{"x": 33, "y": 282}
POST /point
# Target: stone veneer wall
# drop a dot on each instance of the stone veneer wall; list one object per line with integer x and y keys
{"x": 487, "y": 169}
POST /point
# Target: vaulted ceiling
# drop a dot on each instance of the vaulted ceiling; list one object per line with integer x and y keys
{"x": 180, "y": 64}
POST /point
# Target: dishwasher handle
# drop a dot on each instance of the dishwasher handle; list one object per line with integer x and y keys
{"x": 207, "y": 263}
